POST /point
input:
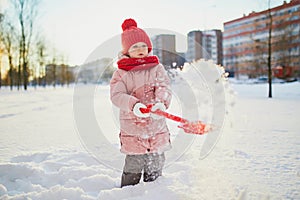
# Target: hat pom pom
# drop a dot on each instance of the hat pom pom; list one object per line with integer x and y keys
{"x": 129, "y": 23}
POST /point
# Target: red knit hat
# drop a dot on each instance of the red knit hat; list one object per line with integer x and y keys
{"x": 132, "y": 34}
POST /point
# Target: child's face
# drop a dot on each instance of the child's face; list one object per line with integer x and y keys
{"x": 138, "y": 50}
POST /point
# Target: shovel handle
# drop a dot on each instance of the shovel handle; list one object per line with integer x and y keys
{"x": 189, "y": 127}
{"x": 164, "y": 114}
{"x": 170, "y": 116}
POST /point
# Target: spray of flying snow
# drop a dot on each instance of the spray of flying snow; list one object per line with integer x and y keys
{"x": 206, "y": 95}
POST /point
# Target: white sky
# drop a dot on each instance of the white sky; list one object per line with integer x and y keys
{"x": 77, "y": 27}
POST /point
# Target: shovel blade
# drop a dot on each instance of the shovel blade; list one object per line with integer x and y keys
{"x": 197, "y": 127}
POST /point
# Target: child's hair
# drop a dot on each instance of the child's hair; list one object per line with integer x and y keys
{"x": 132, "y": 34}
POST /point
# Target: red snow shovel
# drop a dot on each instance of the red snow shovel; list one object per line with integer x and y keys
{"x": 196, "y": 127}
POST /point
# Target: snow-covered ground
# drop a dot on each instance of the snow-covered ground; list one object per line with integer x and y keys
{"x": 256, "y": 157}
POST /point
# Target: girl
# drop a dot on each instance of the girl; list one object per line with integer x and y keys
{"x": 140, "y": 80}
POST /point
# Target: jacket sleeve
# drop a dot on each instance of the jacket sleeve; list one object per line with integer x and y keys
{"x": 119, "y": 95}
{"x": 162, "y": 86}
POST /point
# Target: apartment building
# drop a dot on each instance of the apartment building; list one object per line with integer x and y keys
{"x": 164, "y": 46}
{"x": 58, "y": 74}
{"x": 194, "y": 51}
{"x": 205, "y": 44}
{"x": 246, "y": 39}
{"x": 97, "y": 71}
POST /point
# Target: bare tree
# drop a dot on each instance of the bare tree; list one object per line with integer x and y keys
{"x": 41, "y": 56}
{"x": 69, "y": 76}
{"x": 270, "y": 51}
{"x": 54, "y": 68}
{"x": 259, "y": 47}
{"x": 259, "y": 58}
{"x": 284, "y": 43}
{"x": 1, "y": 48}
{"x": 27, "y": 15}
{"x": 0, "y": 66}
{"x": 8, "y": 40}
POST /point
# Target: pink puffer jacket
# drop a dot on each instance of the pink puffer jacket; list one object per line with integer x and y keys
{"x": 148, "y": 86}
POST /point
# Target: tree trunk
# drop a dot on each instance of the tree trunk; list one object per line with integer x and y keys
{"x": 0, "y": 74}
{"x": 25, "y": 75}
{"x": 19, "y": 76}
{"x": 11, "y": 72}
{"x": 270, "y": 53}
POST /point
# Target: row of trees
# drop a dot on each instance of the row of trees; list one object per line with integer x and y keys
{"x": 23, "y": 49}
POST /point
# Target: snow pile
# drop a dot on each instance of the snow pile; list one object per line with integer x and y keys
{"x": 75, "y": 175}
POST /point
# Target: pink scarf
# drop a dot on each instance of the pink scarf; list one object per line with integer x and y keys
{"x": 138, "y": 63}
